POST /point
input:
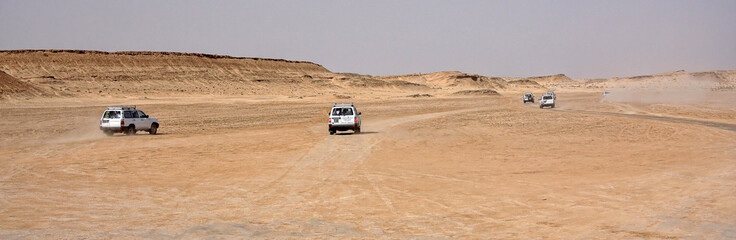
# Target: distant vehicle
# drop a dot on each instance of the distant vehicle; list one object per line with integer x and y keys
{"x": 343, "y": 117}
{"x": 528, "y": 97}
{"x": 606, "y": 92}
{"x": 126, "y": 119}
{"x": 551, "y": 93}
{"x": 547, "y": 100}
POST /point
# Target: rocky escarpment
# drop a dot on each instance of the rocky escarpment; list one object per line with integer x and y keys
{"x": 10, "y": 87}
{"x": 79, "y": 73}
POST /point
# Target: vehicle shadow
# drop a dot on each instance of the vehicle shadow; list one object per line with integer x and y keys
{"x": 141, "y": 134}
{"x": 352, "y": 133}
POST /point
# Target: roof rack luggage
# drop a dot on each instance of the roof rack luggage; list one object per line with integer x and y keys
{"x": 343, "y": 104}
{"x": 121, "y": 107}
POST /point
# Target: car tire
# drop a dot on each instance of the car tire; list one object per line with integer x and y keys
{"x": 130, "y": 130}
{"x": 541, "y": 106}
{"x": 332, "y": 132}
{"x": 154, "y": 129}
{"x": 357, "y": 130}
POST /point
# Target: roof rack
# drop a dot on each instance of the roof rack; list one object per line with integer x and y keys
{"x": 343, "y": 104}
{"x": 121, "y": 107}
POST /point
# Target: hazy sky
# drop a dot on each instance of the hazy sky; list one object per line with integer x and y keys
{"x": 583, "y": 39}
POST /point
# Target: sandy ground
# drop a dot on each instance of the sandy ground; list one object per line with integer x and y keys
{"x": 442, "y": 167}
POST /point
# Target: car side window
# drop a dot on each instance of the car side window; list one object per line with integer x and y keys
{"x": 127, "y": 114}
{"x": 140, "y": 113}
{"x": 135, "y": 114}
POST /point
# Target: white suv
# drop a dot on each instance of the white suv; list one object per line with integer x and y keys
{"x": 343, "y": 117}
{"x": 128, "y": 120}
{"x": 547, "y": 100}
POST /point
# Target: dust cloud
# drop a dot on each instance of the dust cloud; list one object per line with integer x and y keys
{"x": 674, "y": 91}
{"x": 82, "y": 130}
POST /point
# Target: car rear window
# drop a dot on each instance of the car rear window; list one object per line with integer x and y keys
{"x": 342, "y": 111}
{"x": 111, "y": 114}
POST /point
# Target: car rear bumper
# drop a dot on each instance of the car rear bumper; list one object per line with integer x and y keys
{"x": 113, "y": 129}
{"x": 343, "y": 127}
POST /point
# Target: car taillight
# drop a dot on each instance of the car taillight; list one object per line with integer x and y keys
{"x": 330, "y": 120}
{"x": 356, "y": 120}
{"x": 122, "y": 122}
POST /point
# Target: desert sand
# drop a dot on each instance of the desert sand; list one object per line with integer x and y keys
{"x": 243, "y": 152}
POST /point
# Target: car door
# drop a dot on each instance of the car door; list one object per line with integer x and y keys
{"x": 111, "y": 119}
{"x": 347, "y": 116}
{"x": 145, "y": 121}
{"x": 127, "y": 119}
{"x": 135, "y": 119}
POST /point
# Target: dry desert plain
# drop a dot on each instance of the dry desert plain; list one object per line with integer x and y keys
{"x": 243, "y": 152}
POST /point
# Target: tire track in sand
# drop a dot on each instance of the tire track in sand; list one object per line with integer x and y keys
{"x": 719, "y": 125}
{"x": 336, "y": 159}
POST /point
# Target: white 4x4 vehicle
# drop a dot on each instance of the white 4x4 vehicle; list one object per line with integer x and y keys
{"x": 128, "y": 120}
{"x": 547, "y": 100}
{"x": 343, "y": 117}
{"x": 528, "y": 97}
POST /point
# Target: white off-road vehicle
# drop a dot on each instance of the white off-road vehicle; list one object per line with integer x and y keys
{"x": 547, "y": 100}
{"x": 528, "y": 97}
{"x": 343, "y": 117}
{"x": 128, "y": 120}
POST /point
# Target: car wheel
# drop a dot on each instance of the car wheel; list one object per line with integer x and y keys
{"x": 130, "y": 130}
{"x": 332, "y": 132}
{"x": 357, "y": 130}
{"x": 154, "y": 129}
